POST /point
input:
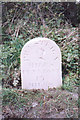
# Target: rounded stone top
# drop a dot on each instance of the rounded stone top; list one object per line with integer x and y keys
{"x": 40, "y": 39}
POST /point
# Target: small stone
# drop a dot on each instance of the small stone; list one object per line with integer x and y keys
{"x": 34, "y": 104}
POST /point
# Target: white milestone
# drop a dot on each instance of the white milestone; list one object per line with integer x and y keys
{"x": 41, "y": 64}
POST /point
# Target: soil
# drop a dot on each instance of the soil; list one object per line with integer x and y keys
{"x": 52, "y": 103}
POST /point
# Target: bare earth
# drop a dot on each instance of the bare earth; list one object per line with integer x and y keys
{"x": 54, "y": 103}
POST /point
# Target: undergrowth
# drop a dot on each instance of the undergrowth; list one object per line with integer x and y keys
{"x": 25, "y": 21}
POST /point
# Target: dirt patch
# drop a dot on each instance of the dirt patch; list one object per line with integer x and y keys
{"x": 54, "y": 103}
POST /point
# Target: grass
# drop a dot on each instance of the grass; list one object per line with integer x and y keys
{"x": 17, "y": 100}
{"x": 70, "y": 82}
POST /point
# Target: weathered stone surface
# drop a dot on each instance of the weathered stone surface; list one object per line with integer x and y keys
{"x": 41, "y": 64}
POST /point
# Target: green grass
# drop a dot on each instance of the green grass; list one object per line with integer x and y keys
{"x": 71, "y": 83}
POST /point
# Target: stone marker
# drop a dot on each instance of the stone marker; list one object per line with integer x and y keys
{"x": 41, "y": 64}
